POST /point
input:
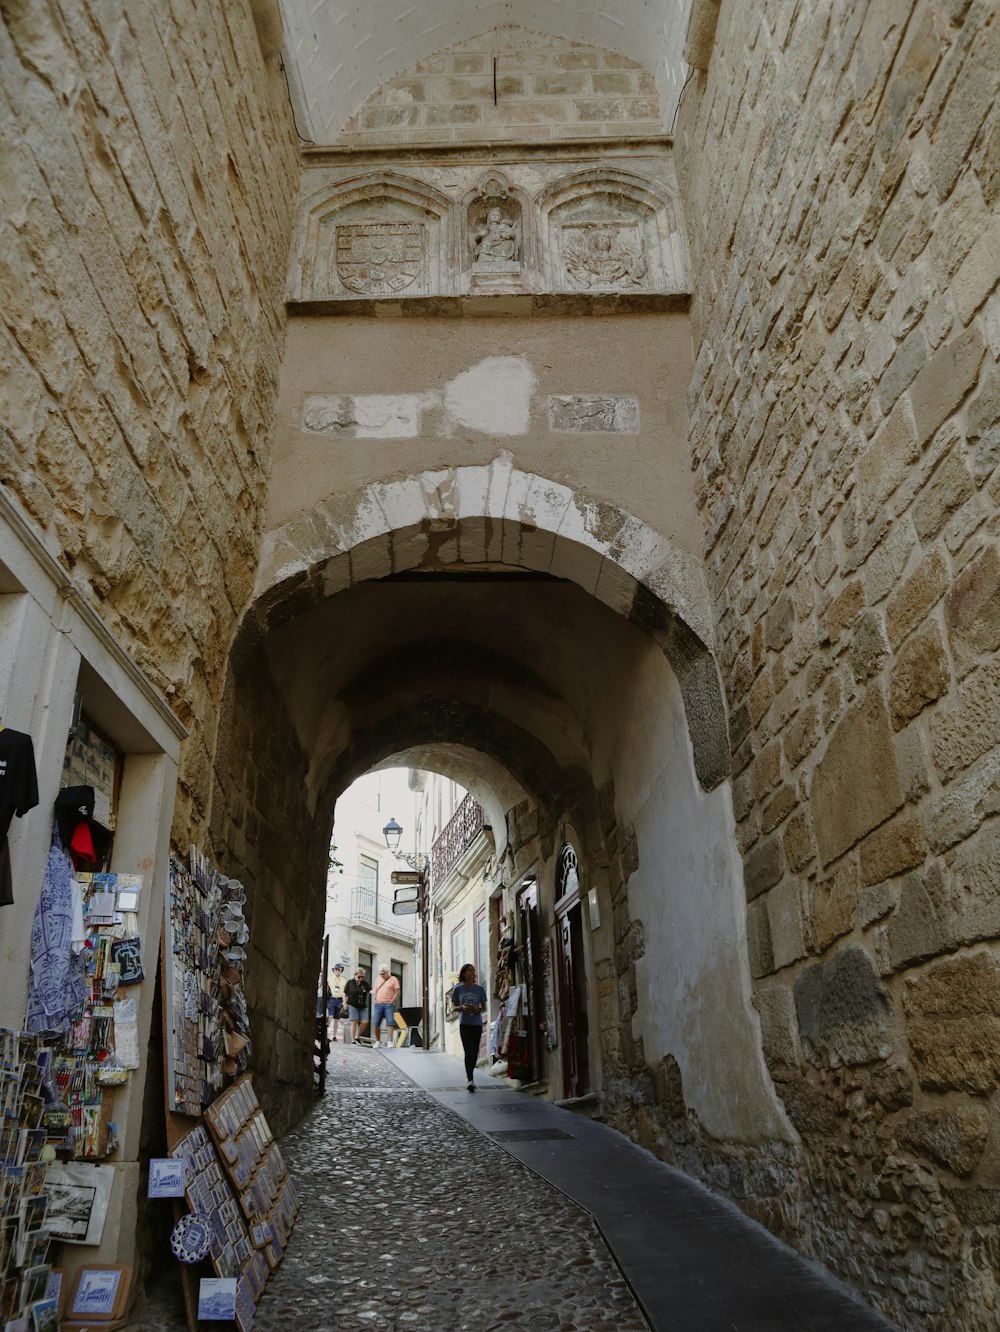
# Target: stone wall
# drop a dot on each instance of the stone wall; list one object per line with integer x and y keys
{"x": 149, "y": 184}
{"x": 845, "y": 435}
{"x": 266, "y": 833}
{"x": 545, "y": 88}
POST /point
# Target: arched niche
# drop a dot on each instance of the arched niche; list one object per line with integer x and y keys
{"x": 373, "y": 236}
{"x": 610, "y": 231}
{"x": 496, "y": 240}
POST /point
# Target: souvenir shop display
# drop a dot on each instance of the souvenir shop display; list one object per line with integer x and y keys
{"x": 18, "y": 794}
{"x": 254, "y": 1163}
{"x": 217, "y": 1300}
{"x": 77, "y": 1194}
{"x": 210, "y": 1196}
{"x": 91, "y": 762}
{"x": 209, "y": 1030}
{"x": 100, "y": 1294}
{"x": 191, "y": 1237}
{"x": 43, "y": 1200}
{"x": 166, "y": 1178}
{"x": 230, "y": 1249}
{"x": 243, "y": 1202}
{"x": 76, "y": 996}
{"x": 58, "y": 1077}
{"x": 24, "y": 1159}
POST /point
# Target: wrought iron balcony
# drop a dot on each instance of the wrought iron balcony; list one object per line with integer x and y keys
{"x": 455, "y": 838}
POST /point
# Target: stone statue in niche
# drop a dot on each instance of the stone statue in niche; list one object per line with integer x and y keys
{"x": 380, "y": 258}
{"x": 495, "y": 240}
{"x": 494, "y": 231}
{"x": 604, "y": 254}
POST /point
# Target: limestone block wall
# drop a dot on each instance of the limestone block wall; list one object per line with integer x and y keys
{"x": 149, "y": 184}
{"x": 844, "y": 422}
{"x": 338, "y": 55}
{"x": 545, "y": 88}
{"x": 268, "y": 834}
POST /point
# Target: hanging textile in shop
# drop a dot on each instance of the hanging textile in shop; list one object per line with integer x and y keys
{"x": 548, "y": 1023}
{"x": 49, "y": 997}
{"x": 18, "y": 794}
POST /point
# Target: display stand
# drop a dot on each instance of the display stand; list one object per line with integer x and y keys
{"x": 236, "y": 1180}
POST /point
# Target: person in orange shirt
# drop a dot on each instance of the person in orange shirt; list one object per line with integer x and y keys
{"x": 385, "y": 996}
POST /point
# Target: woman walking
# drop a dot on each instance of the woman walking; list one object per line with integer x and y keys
{"x": 469, "y": 1000}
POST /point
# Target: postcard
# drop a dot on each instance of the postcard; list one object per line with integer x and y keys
{"x": 217, "y": 1299}
{"x": 44, "y": 1315}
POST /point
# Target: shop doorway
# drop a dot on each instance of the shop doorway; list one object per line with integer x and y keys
{"x": 530, "y": 1054}
{"x": 481, "y": 958}
{"x": 573, "y": 1021}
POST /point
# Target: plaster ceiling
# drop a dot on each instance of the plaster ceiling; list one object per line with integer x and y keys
{"x": 338, "y": 52}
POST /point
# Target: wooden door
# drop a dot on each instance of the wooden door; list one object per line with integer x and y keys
{"x": 531, "y": 971}
{"x": 573, "y": 1020}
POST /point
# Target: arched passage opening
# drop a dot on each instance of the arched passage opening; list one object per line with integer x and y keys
{"x": 551, "y": 665}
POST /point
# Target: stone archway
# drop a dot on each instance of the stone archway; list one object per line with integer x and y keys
{"x": 502, "y": 516}
{"x": 493, "y": 611}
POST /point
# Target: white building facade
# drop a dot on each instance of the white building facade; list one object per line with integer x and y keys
{"x": 360, "y": 924}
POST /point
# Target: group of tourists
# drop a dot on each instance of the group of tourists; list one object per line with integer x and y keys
{"x": 348, "y": 1003}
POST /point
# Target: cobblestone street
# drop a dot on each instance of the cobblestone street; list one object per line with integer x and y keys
{"x": 412, "y": 1221}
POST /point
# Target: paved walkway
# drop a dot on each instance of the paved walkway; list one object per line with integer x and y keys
{"x": 444, "y": 1211}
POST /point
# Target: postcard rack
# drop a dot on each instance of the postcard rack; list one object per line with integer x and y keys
{"x": 235, "y": 1176}
{"x": 255, "y": 1167}
{"x": 207, "y": 1037}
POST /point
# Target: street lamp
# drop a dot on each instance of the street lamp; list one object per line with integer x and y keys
{"x": 420, "y": 863}
{"x": 392, "y": 832}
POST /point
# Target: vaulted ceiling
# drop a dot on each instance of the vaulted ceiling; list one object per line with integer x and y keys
{"x": 338, "y": 52}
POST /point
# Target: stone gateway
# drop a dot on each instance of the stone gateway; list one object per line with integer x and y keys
{"x": 599, "y": 409}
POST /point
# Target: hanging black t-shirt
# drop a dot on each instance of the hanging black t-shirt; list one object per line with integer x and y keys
{"x": 18, "y": 794}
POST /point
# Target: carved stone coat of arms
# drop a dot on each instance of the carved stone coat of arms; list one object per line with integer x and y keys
{"x": 379, "y": 258}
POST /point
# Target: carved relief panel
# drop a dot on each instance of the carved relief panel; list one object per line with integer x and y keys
{"x": 603, "y": 254}
{"x": 609, "y": 231}
{"x": 379, "y": 236}
{"x": 450, "y": 230}
{"x": 381, "y": 258}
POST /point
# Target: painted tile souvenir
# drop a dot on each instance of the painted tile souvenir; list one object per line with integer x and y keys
{"x": 191, "y": 1237}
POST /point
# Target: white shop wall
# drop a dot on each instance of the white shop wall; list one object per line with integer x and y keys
{"x": 52, "y": 644}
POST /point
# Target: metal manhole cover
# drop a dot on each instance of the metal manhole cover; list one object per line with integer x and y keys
{"x": 513, "y": 1107}
{"x": 529, "y": 1135}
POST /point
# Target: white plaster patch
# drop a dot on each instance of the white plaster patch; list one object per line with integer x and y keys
{"x": 363, "y": 416}
{"x": 493, "y": 397}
